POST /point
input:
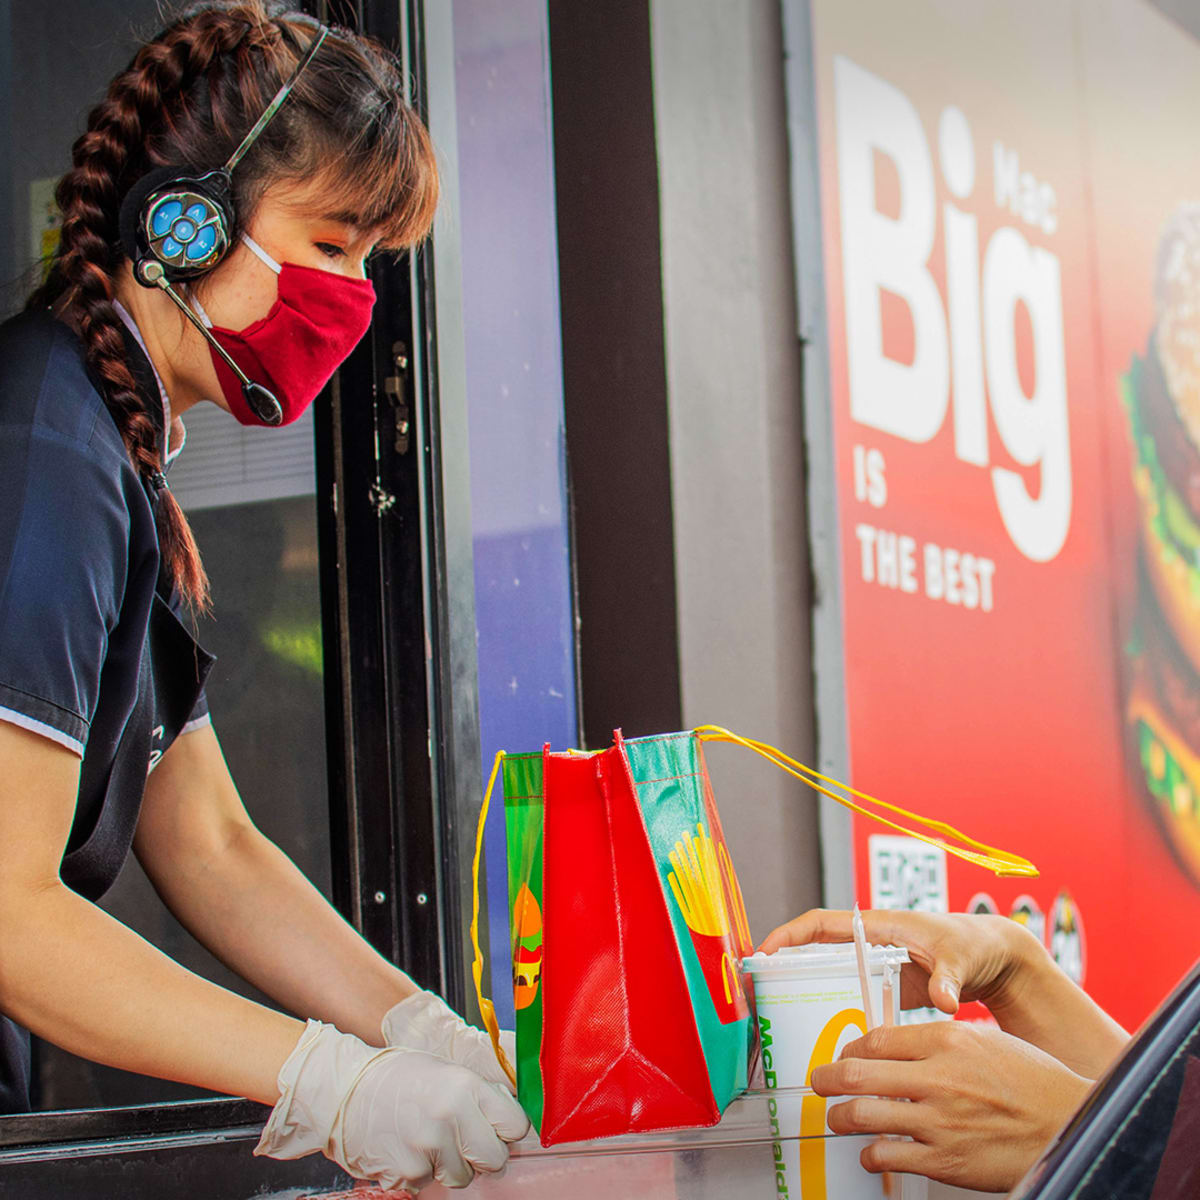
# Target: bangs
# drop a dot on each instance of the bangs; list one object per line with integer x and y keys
{"x": 346, "y": 144}
{"x": 385, "y": 181}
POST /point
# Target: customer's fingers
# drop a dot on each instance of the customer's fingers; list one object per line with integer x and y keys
{"x": 883, "y": 927}
{"x": 865, "y": 1077}
{"x": 915, "y": 1158}
{"x": 816, "y": 925}
{"x": 945, "y": 985}
{"x": 905, "y": 1043}
{"x": 870, "y": 1114}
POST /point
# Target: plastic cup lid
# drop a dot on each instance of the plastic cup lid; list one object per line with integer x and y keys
{"x": 822, "y": 959}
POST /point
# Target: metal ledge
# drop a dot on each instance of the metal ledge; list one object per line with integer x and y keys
{"x": 156, "y": 1125}
{"x": 755, "y": 1117}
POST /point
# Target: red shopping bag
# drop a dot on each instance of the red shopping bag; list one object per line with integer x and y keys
{"x": 620, "y": 1047}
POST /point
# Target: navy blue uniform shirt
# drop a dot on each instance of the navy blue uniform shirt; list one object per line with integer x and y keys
{"x": 94, "y": 654}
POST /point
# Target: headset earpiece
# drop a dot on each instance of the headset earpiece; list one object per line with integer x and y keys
{"x": 176, "y": 226}
{"x": 181, "y": 225}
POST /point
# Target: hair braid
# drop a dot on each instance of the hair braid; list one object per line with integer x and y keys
{"x": 107, "y": 158}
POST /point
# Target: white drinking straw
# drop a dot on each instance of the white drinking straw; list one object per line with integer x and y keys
{"x": 864, "y": 978}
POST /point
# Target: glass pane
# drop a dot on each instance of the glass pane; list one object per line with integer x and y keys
{"x": 248, "y": 493}
{"x": 756, "y": 1151}
{"x": 506, "y": 216}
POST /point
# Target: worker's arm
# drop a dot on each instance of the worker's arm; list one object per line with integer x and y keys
{"x": 245, "y": 900}
{"x": 76, "y": 977}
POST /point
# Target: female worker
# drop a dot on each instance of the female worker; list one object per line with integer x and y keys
{"x": 99, "y": 678}
{"x": 979, "y": 1103}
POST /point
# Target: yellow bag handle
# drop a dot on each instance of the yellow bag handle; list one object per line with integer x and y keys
{"x": 487, "y": 1010}
{"x": 1002, "y": 862}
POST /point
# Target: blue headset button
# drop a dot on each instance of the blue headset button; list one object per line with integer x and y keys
{"x": 164, "y": 216}
{"x": 198, "y": 213}
{"x": 170, "y": 248}
{"x": 184, "y": 231}
{"x": 202, "y": 246}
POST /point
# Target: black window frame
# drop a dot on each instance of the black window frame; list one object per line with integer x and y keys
{"x": 397, "y": 604}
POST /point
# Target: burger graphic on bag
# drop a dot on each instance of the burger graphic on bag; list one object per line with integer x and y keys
{"x": 1161, "y": 394}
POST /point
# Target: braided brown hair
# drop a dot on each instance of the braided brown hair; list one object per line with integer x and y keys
{"x": 186, "y": 100}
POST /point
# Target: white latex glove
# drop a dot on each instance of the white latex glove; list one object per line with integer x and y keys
{"x": 400, "y": 1117}
{"x": 424, "y": 1021}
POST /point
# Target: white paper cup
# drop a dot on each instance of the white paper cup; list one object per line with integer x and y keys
{"x": 809, "y": 1005}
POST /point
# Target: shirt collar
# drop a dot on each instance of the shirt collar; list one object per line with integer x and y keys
{"x": 168, "y": 455}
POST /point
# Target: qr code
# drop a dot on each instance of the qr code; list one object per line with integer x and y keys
{"x": 907, "y": 873}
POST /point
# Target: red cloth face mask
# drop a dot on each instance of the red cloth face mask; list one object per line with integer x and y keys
{"x": 318, "y": 318}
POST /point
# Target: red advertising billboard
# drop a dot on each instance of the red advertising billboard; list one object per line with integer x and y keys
{"x": 1009, "y": 211}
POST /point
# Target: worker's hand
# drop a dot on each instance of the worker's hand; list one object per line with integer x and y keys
{"x": 955, "y": 957}
{"x": 400, "y": 1117}
{"x": 426, "y": 1022}
{"x": 979, "y": 1104}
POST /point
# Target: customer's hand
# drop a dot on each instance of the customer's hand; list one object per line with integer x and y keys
{"x": 424, "y": 1021}
{"x": 979, "y": 1104}
{"x": 958, "y": 957}
{"x": 955, "y": 957}
{"x": 399, "y": 1117}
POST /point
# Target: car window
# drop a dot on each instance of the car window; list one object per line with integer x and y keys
{"x": 1138, "y": 1135}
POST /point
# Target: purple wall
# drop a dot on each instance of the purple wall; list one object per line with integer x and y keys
{"x": 514, "y": 390}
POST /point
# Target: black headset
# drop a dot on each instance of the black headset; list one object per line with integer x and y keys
{"x": 176, "y": 227}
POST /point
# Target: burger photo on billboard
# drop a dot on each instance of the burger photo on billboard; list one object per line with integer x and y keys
{"x": 1161, "y": 396}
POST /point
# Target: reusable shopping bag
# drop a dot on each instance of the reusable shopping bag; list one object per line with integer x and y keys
{"x": 628, "y": 931}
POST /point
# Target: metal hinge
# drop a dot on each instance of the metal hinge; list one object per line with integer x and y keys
{"x": 394, "y": 389}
